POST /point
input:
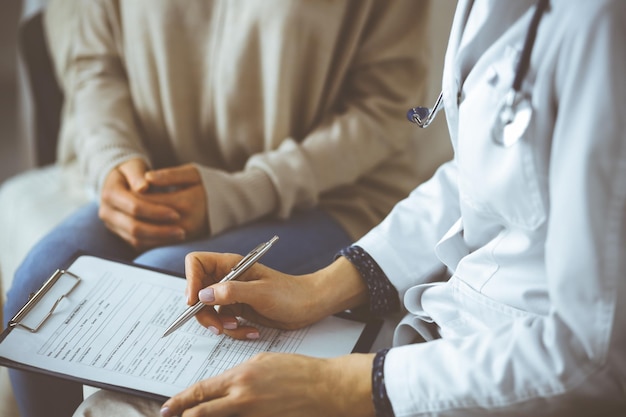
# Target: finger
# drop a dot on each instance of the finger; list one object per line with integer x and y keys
{"x": 205, "y": 268}
{"x": 180, "y": 197}
{"x": 201, "y": 392}
{"x": 236, "y": 292}
{"x": 198, "y": 274}
{"x": 220, "y": 407}
{"x": 241, "y": 299}
{"x": 139, "y": 229}
{"x": 134, "y": 172}
{"x": 244, "y": 333}
{"x": 138, "y": 233}
{"x": 228, "y": 317}
{"x": 175, "y": 198}
{"x": 224, "y": 321}
{"x": 143, "y": 243}
{"x": 209, "y": 319}
{"x": 190, "y": 203}
{"x": 139, "y": 208}
{"x": 184, "y": 175}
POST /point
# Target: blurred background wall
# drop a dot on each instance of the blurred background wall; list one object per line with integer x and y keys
{"x": 13, "y": 156}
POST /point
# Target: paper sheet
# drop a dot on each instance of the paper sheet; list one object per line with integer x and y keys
{"x": 109, "y": 330}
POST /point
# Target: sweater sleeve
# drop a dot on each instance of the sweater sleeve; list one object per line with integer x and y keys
{"x": 97, "y": 88}
{"x": 378, "y": 57}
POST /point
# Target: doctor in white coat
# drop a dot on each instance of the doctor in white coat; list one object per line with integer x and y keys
{"x": 510, "y": 262}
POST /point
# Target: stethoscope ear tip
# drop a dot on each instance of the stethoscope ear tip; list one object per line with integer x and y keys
{"x": 423, "y": 116}
{"x": 418, "y": 114}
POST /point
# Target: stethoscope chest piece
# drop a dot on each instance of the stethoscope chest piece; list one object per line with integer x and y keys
{"x": 513, "y": 119}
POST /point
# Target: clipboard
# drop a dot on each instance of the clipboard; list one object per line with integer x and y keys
{"x": 50, "y": 323}
{"x": 33, "y": 301}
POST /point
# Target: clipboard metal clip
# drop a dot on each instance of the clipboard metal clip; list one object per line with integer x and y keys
{"x": 32, "y": 302}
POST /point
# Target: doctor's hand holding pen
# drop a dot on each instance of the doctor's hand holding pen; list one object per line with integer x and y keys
{"x": 273, "y": 383}
{"x": 266, "y": 296}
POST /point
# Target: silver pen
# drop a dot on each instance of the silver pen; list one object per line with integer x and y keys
{"x": 241, "y": 267}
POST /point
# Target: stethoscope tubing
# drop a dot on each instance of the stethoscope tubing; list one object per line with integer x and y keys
{"x": 423, "y": 116}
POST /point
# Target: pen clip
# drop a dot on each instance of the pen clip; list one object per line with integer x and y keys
{"x": 248, "y": 256}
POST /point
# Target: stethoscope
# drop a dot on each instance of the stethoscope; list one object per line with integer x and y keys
{"x": 516, "y": 110}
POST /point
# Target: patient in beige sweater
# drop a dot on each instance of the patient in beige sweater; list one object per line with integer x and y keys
{"x": 280, "y": 105}
{"x": 213, "y": 125}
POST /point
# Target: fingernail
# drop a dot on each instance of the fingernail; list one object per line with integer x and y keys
{"x": 207, "y": 295}
{"x": 165, "y": 412}
{"x": 214, "y": 330}
{"x": 252, "y": 335}
{"x": 231, "y": 325}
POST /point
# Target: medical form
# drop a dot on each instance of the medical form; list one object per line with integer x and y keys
{"x": 107, "y": 330}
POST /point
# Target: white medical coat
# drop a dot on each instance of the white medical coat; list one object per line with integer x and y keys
{"x": 532, "y": 320}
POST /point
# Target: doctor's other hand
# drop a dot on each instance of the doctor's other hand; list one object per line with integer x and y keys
{"x": 125, "y": 211}
{"x": 268, "y": 297}
{"x": 279, "y": 384}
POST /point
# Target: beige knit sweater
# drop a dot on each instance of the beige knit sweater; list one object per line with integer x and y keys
{"x": 281, "y": 104}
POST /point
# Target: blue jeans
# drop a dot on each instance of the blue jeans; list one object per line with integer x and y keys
{"x": 308, "y": 241}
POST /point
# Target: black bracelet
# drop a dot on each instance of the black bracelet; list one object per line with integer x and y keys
{"x": 383, "y": 297}
{"x": 382, "y": 405}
